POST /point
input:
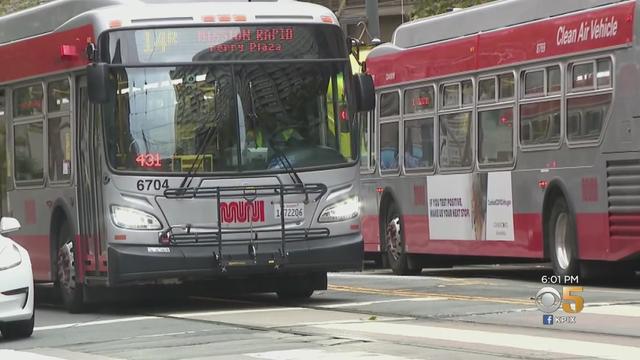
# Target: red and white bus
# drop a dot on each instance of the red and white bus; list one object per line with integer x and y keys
{"x": 507, "y": 130}
{"x": 154, "y": 141}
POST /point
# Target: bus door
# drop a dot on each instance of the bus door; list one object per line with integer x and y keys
{"x": 89, "y": 175}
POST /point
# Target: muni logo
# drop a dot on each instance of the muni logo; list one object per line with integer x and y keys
{"x": 238, "y": 211}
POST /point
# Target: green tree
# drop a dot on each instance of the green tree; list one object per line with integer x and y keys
{"x": 424, "y": 8}
{"x": 9, "y": 6}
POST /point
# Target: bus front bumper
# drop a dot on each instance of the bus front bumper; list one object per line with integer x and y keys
{"x": 145, "y": 263}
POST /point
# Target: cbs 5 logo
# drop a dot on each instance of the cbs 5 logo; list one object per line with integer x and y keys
{"x": 549, "y": 300}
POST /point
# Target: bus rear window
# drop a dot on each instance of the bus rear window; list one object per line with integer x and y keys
{"x": 224, "y": 43}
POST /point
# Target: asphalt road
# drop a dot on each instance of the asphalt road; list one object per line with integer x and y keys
{"x": 481, "y": 312}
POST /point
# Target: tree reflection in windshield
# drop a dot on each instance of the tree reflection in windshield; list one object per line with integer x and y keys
{"x": 242, "y": 115}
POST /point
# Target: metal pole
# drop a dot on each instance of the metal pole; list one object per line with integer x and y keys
{"x": 373, "y": 20}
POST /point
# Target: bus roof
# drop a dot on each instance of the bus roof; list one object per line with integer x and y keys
{"x": 492, "y": 16}
{"x": 63, "y": 14}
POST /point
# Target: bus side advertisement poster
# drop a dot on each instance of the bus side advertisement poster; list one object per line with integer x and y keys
{"x": 475, "y": 206}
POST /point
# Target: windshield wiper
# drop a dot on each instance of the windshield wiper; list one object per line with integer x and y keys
{"x": 293, "y": 174}
{"x": 199, "y": 156}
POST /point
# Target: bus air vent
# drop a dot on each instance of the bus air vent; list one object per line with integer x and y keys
{"x": 623, "y": 191}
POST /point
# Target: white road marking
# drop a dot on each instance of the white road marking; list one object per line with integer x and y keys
{"x": 317, "y": 354}
{"x": 20, "y": 355}
{"x": 350, "y": 321}
{"x": 177, "y": 315}
{"x": 233, "y": 312}
{"x": 448, "y": 280}
{"x": 523, "y": 342}
{"x": 368, "y": 303}
{"x": 617, "y": 310}
{"x": 94, "y": 323}
{"x": 383, "y": 277}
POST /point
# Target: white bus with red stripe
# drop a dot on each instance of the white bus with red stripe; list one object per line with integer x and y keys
{"x": 506, "y": 131}
{"x": 153, "y": 141}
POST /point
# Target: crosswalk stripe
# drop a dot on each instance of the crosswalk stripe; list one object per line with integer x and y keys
{"x": 21, "y": 355}
{"x": 617, "y": 310}
{"x": 375, "y": 302}
{"x": 523, "y": 342}
{"x": 318, "y": 354}
{"x": 93, "y": 323}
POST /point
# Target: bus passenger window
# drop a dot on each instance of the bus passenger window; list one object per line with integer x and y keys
{"x": 28, "y": 152}
{"x": 451, "y": 95}
{"x": 586, "y": 116}
{"x": 455, "y": 140}
{"x": 389, "y": 104}
{"x": 583, "y": 76}
{"x": 487, "y": 89}
{"x": 540, "y": 123}
{"x": 495, "y": 136}
{"x": 60, "y": 145}
{"x": 389, "y": 139}
{"x": 603, "y": 74}
{"x": 418, "y": 144}
{"x": 467, "y": 92}
{"x": 554, "y": 83}
{"x": 27, "y": 101}
{"x": 58, "y": 96}
{"x": 534, "y": 83}
{"x": 419, "y": 100}
{"x": 506, "y": 86}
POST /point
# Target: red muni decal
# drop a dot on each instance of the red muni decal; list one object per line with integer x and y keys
{"x": 240, "y": 211}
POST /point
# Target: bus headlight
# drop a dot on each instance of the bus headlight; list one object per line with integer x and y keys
{"x": 344, "y": 210}
{"x": 10, "y": 257}
{"x": 133, "y": 219}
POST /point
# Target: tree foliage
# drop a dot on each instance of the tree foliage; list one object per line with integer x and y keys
{"x": 9, "y": 6}
{"x": 424, "y": 8}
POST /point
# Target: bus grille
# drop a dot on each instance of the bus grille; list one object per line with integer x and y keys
{"x": 623, "y": 190}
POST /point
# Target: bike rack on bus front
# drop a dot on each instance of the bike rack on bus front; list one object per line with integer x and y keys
{"x": 207, "y": 235}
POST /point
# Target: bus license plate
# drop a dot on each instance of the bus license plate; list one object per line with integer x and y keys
{"x": 291, "y": 211}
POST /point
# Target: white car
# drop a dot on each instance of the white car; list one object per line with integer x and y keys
{"x": 16, "y": 285}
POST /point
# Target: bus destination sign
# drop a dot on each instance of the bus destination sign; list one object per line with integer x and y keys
{"x": 219, "y": 40}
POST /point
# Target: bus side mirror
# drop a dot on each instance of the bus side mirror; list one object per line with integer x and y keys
{"x": 98, "y": 83}
{"x": 365, "y": 92}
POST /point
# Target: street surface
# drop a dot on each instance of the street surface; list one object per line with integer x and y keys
{"x": 480, "y": 312}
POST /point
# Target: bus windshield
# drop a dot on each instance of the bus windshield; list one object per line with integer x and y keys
{"x": 241, "y": 117}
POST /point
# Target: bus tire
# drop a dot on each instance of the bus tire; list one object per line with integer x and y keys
{"x": 563, "y": 245}
{"x": 71, "y": 292}
{"x": 394, "y": 244}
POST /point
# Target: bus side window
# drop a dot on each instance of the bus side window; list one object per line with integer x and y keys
{"x": 539, "y": 112}
{"x": 28, "y": 134}
{"x": 59, "y": 130}
{"x": 589, "y": 100}
{"x": 495, "y": 136}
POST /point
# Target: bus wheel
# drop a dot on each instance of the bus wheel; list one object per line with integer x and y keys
{"x": 395, "y": 245}
{"x": 562, "y": 236}
{"x": 70, "y": 289}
